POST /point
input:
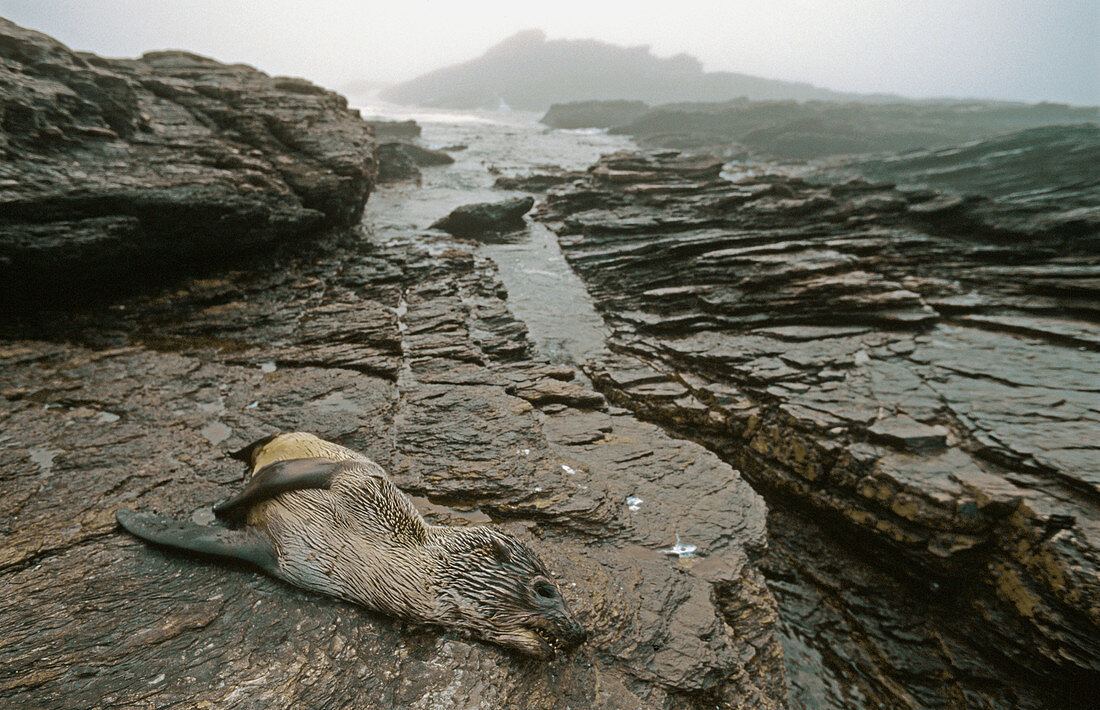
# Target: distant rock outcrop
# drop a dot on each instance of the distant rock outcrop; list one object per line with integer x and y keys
{"x": 117, "y": 170}
{"x": 547, "y": 177}
{"x": 395, "y": 130}
{"x": 1049, "y": 163}
{"x": 594, "y": 114}
{"x": 529, "y": 72}
{"x": 818, "y": 129}
{"x": 402, "y": 161}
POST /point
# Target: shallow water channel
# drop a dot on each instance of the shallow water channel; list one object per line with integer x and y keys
{"x": 542, "y": 290}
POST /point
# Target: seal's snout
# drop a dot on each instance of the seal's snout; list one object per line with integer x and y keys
{"x": 572, "y": 633}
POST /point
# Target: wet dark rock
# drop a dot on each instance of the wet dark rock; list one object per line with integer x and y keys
{"x": 852, "y": 624}
{"x": 395, "y": 163}
{"x": 426, "y": 157}
{"x": 394, "y": 130}
{"x": 411, "y": 356}
{"x": 593, "y": 114}
{"x": 541, "y": 181}
{"x": 816, "y": 129}
{"x": 402, "y": 161}
{"x": 1033, "y": 166}
{"x": 912, "y": 368}
{"x": 486, "y": 218}
{"x": 400, "y": 158}
{"x": 121, "y": 171}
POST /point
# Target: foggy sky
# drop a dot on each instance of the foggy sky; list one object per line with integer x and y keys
{"x": 1030, "y": 50}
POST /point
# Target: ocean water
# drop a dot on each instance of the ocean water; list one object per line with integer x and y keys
{"x": 543, "y": 291}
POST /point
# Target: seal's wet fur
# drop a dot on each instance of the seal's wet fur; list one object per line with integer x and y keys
{"x": 326, "y": 518}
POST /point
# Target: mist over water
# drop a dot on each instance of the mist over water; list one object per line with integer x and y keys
{"x": 999, "y": 49}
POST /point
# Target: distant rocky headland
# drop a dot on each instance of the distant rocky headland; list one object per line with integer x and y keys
{"x": 529, "y": 72}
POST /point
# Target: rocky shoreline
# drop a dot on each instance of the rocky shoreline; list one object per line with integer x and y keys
{"x": 839, "y": 450}
{"x": 912, "y": 367}
{"x": 404, "y": 350}
{"x": 411, "y": 355}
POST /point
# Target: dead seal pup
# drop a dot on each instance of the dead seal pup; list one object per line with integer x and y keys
{"x": 325, "y": 518}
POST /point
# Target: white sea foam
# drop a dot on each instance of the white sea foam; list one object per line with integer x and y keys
{"x": 680, "y": 549}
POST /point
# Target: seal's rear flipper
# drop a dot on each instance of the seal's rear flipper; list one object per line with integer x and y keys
{"x": 280, "y": 477}
{"x": 246, "y": 545}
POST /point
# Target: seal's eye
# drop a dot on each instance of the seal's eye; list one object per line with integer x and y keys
{"x": 545, "y": 590}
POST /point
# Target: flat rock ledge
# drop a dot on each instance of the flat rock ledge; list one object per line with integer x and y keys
{"x": 120, "y": 171}
{"x": 917, "y": 368}
{"x": 410, "y": 355}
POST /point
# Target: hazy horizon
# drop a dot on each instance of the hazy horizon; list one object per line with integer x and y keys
{"x": 1009, "y": 50}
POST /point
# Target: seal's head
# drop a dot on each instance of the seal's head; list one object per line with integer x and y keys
{"x": 497, "y": 588}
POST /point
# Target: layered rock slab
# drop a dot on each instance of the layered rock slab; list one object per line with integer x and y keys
{"x": 411, "y": 356}
{"x": 121, "y": 171}
{"x": 915, "y": 367}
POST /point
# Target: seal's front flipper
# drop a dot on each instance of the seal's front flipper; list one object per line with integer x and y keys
{"x": 246, "y": 545}
{"x": 280, "y": 477}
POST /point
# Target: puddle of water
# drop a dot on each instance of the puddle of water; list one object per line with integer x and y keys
{"x": 451, "y": 516}
{"x": 681, "y": 550}
{"x": 337, "y": 402}
{"x": 216, "y": 432}
{"x": 203, "y": 516}
{"x": 549, "y": 298}
{"x": 44, "y": 457}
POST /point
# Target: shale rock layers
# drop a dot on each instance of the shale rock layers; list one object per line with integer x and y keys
{"x": 116, "y": 171}
{"x": 920, "y": 368}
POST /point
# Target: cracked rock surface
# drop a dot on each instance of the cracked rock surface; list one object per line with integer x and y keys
{"x": 114, "y": 171}
{"x": 917, "y": 369}
{"x": 410, "y": 355}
